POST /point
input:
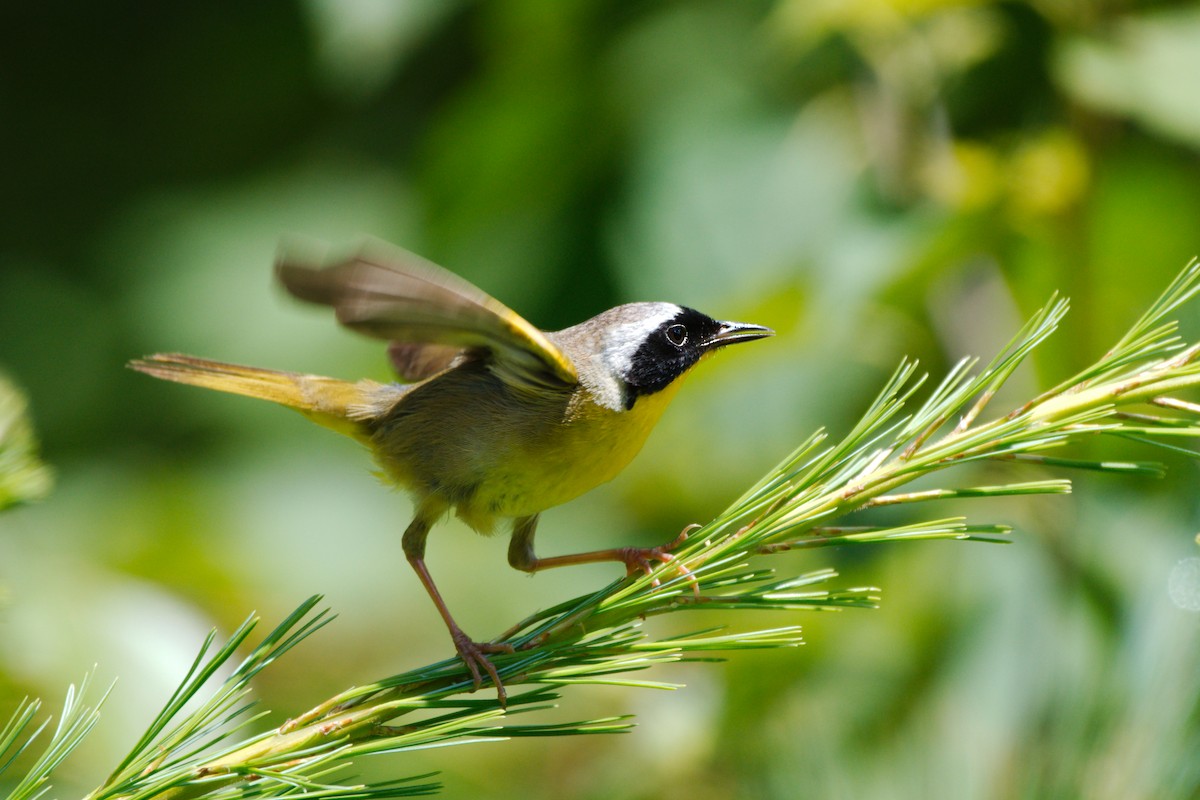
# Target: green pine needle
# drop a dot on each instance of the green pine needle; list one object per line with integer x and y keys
{"x": 23, "y": 477}
{"x": 74, "y": 723}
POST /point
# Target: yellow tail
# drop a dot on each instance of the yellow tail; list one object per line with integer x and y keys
{"x": 339, "y": 405}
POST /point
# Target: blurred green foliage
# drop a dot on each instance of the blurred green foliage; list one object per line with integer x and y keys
{"x": 872, "y": 178}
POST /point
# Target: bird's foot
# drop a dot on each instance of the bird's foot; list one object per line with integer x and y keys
{"x": 474, "y": 655}
{"x": 644, "y": 559}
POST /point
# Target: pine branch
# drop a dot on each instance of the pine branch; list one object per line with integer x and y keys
{"x": 599, "y": 638}
{"x": 23, "y": 477}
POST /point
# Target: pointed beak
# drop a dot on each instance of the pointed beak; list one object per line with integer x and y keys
{"x": 733, "y": 332}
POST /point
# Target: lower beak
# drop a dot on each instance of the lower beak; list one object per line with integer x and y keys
{"x": 733, "y": 332}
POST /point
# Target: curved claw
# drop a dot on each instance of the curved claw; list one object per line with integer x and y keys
{"x": 640, "y": 558}
{"x": 473, "y": 654}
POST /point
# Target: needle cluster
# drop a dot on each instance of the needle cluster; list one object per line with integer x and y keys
{"x": 23, "y": 477}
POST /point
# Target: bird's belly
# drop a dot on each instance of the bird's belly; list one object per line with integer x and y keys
{"x": 522, "y": 468}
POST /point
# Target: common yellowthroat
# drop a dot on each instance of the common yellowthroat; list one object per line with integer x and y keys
{"x": 496, "y": 419}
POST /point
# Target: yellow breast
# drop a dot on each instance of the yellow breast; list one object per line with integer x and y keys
{"x": 507, "y": 456}
{"x": 590, "y": 448}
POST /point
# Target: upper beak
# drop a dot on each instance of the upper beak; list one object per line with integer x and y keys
{"x": 732, "y": 332}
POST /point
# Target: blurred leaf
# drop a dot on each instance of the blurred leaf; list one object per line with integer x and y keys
{"x": 1048, "y": 174}
{"x": 360, "y": 42}
{"x": 1146, "y": 70}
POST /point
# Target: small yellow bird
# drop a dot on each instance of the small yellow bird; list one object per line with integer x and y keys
{"x": 496, "y": 419}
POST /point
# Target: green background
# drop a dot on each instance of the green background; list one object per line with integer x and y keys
{"x": 870, "y": 178}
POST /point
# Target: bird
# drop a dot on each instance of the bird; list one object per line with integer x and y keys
{"x": 492, "y": 418}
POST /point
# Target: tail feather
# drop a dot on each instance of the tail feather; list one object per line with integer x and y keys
{"x": 334, "y": 403}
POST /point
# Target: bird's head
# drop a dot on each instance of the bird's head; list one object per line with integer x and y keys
{"x": 639, "y": 349}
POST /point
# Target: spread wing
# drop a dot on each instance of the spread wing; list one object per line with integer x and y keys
{"x": 430, "y": 315}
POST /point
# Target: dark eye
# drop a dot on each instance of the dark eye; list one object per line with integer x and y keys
{"x": 677, "y": 335}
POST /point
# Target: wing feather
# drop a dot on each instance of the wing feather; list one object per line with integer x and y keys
{"x": 392, "y": 294}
